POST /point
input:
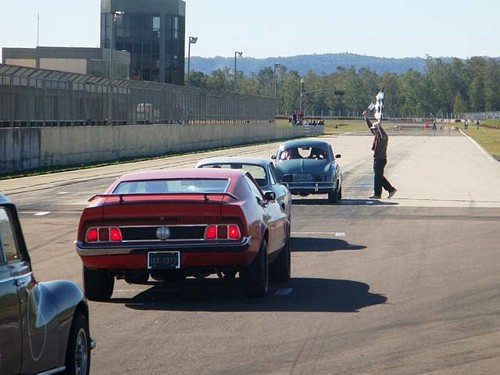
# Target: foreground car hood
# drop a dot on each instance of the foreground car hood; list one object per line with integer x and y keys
{"x": 298, "y": 166}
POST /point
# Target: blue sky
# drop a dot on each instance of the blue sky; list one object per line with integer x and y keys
{"x": 271, "y": 28}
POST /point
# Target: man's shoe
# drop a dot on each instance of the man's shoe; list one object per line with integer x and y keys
{"x": 375, "y": 197}
{"x": 391, "y": 193}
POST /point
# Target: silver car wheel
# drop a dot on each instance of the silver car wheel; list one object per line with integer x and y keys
{"x": 81, "y": 352}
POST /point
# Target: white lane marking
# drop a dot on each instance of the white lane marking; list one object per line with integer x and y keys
{"x": 335, "y": 234}
{"x": 63, "y": 192}
{"x": 283, "y": 292}
{"x": 36, "y": 213}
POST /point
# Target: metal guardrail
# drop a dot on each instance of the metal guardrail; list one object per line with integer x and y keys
{"x": 39, "y": 97}
{"x": 481, "y": 115}
{"x": 313, "y": 130}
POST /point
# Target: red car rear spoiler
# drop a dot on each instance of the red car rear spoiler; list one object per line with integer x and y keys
{"x": 187, "y": 195}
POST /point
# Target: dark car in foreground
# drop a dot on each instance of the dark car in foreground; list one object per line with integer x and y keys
{"x": 309, "y": 166}
{"x": 262, "y": 170}
{"x": 173, "y": 224}
{"x": 44, "y": 326}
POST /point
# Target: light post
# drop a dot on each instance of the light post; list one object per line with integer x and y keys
{"x": 114, "y": 17}
{"x": 192, "y": 40}
{"x": 301, "y": 94}
{"x": 236, "y": 54}
{"x": 276, "y": 65}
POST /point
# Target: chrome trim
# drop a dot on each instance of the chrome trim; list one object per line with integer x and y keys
{"x": 315, "y": 186}
{"x": 163, "y": 232}
{"x": 93, "y": 343}
{"x": 15, "y": 278}
{"x": 154, "y": 240}
{"x": 155, "y": 225}
{"x": 145, "y": 226}
{"x": 124, "y": 250}
{"x": 53, "y": 371}
{"x": 7, "y": 280}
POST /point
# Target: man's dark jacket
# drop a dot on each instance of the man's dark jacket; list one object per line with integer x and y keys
{"x": 380, "y": 141}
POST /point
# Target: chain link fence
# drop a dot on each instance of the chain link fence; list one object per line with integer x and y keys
{"x": 37, "y": 97}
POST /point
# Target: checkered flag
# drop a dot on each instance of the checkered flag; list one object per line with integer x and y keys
{"x": 378, "y": 108}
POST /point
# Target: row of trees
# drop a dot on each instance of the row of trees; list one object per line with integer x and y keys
{"x": 444, "y": 89}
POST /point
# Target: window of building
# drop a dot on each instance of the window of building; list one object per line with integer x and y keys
{"x": 156, "y": 25}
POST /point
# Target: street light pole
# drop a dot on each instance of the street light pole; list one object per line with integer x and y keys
{"x": 236, "y": 54}
{"x": 112, "y": 26}
{"x": 301, "y": 93}
{"x": 192, "y": 40}
{"x": 276, "y": 65}
{"x": 114, "y": 17}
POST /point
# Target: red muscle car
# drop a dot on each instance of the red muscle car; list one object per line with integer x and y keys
{"x": 173, "y": 224}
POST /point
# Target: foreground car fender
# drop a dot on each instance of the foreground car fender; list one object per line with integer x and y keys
{"x": 48, "y": 317}
{"x": 38, "y": 333}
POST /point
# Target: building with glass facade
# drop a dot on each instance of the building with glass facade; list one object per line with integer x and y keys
{"x": 152, "y": 31}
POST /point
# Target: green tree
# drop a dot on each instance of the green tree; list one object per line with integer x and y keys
{"x": 456, "y": 87}
{"x": 220, "y": 80}
{"x": 197, "y": 79}
{"x": 477, "y": 67}
{"x": 460, "y": 106}
{"x": 411, "y": 95}
{"x": 290, "y": 92}
{"x": 491, "y": 86}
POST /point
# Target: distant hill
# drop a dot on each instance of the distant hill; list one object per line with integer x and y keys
{"x": 325, "y": 63}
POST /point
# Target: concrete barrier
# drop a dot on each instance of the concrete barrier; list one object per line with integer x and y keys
{"x": 19, "y": 149}
{"x": 31, "y": 148}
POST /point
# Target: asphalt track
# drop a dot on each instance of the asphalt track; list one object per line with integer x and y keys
{"x": 408, "y": 285}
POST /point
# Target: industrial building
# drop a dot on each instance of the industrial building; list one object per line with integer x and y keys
{"x": 140, "y": 40}
{"x": 152, "y": 31}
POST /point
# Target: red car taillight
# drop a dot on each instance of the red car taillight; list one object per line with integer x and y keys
{"x": 233, "y": 232}
{"x": 222, "y": 232}
{"x": 103, "y": 234}
{"x": 115, "y": 234}
{"x": 211, "y": 232}
{"x": 92, "y": 235}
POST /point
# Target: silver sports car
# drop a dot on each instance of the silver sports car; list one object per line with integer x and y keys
{"x": 262, "y": 170}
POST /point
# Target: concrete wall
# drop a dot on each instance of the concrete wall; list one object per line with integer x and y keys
{"x": 19, "y": 149}
{"x": 30, "y": 148}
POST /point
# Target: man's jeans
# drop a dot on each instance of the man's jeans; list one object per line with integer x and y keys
{"x": 379, "y": 180}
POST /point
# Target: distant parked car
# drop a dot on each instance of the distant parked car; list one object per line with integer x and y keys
{"x": 44, "y": 326}
{"x": 309, "y": 166}
{"x": 262, "y": 171}
{"x": 172, "y": 224}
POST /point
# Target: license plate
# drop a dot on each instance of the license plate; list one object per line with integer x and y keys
{"x": 164, "y": 260}
{"x": 302, "y": 178}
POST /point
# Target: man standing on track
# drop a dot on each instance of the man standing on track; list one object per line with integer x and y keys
{"x": 379, "y": 148}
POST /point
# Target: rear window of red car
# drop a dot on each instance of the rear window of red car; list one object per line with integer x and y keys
{"x": 172, "y": 186}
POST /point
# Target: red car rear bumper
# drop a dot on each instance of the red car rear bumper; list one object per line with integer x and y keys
{"x": 135, "y": 258}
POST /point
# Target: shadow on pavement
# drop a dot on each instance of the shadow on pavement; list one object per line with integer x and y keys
{"x": 298, "y": 294}
{"x": 343, "y": 202}
{"x": 367, "y": 202}
{"x": 314, "y": 244}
